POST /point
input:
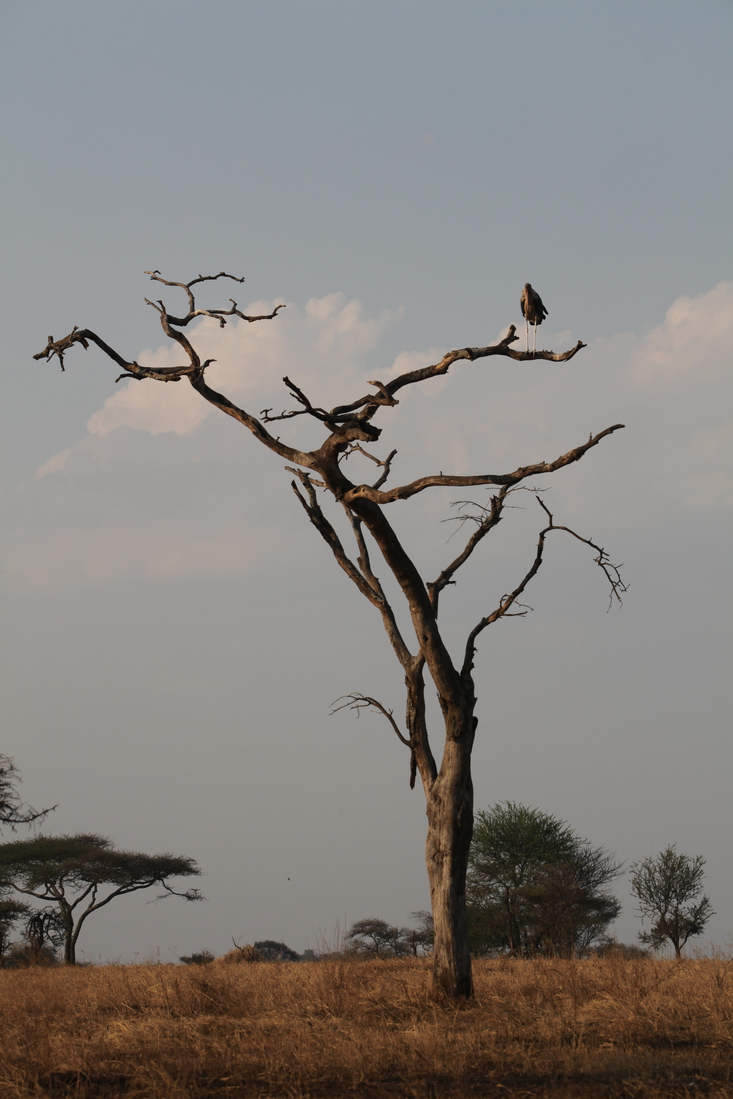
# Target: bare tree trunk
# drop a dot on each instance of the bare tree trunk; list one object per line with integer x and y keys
{"x": 450, "y": 828}
{"x": 71, "y": 934}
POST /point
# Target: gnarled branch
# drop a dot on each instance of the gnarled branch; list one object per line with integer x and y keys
{"x": 611, "y": 572}
{"x": 359, "y": 702}
{"x": 403, "y": 492}
{"x": 315, "y": 513}
{"x": 490, "y": 518}
{"x": 411, "y": 377}
{"x": 355, "y": 448}
{"x": 217, "y": 314}
{"x": 370, "y": 403}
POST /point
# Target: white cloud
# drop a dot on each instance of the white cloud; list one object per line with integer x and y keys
{"x": 696, "y": 336}
{"x": 680, "y": 374}
{"x": 112, "y": 552}
{"x": 152, "y": 406}
{"x": 54, "y": 464}
{"x": 325, "y": 342}
{"x": 672, "y": 386}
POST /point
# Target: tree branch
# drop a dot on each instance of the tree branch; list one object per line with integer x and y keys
{"x": 13, "y": 810}
{"x": 307, "y": 410}
{"x": 358, "y": 702}
{"x": 411, "y": 377}
{"x": 491, "y": 517}
{"x": 403, "y": 492}
{"x": 388, "y": 617}
{"x": 370, "y": 403}
{"x": 610, "y": 571}
{"x": 386, "y": 465}
{"x": 217, "y": 314}
{"x": 187, "y": 895}
{"x": 314, "y": 512}
{"x": 365, "y": 580}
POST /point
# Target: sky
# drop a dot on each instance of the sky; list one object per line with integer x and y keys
{"x": 394, "y": 172}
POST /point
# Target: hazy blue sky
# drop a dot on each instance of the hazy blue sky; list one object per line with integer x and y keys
{"x": 175, "y": 631}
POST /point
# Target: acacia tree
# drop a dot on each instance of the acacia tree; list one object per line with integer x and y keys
{"x": 572, "y": 912}
{"x": 81, "y": 874}
{"x": 375, "y": 938}
{"x": 320, "y": 474}
{"x": 666, "y": 886}
{"x": 534, "y": 886}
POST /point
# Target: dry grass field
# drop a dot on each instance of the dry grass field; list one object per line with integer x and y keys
{"x": 602, "y": 1027}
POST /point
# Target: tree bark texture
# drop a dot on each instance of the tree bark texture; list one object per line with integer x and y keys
{"x": 320, "y": 474}
{"x": 450, "y": 827}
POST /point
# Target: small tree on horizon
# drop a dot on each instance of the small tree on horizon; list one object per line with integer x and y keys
{"x": 665, "y": 887}
{"x": 320, "y": 477}
{"x": 276, "y": 951}
{"x": 375, "y": 938}
{"x": 82, "y": 873}
{"x": 199, "y": 957}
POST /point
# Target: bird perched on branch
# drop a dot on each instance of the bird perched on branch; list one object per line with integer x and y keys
{"x": 533, "y": 312}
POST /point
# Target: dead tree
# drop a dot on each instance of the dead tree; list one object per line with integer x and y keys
{"x": 319, "y": 475}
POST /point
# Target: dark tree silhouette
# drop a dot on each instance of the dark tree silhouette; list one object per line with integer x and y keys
{"x": 43, "y": 934}
{"x": 320, "y": 475}
{"x": 274, "y": 951}
{"x": 373, "y": 937}
{"x": 535, "y": 887}
{"x": 13, "y": 810}
{"x": 665, "y": 887}
{"x": 11, "y": 911}
{"x": 81, "y": 874}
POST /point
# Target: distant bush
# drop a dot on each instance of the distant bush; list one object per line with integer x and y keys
{"x": 276, "y": 952}
{"x": 25, "y": 955}
{"x": 628, "y": 951}
{"x": 205, "y": 957}
{"x": 240, "y": 954}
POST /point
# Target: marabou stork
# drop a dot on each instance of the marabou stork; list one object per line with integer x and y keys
{"x": 533, "y": 312}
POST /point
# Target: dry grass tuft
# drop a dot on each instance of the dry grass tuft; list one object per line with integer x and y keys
{"x": 602, "y": 1027}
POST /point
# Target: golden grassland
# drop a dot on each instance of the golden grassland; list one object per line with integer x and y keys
{"x": 598, "y": 1027}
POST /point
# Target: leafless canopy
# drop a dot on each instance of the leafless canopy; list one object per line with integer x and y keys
{"x": 320, "y": 474}
{"x": 13, "y": 810}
